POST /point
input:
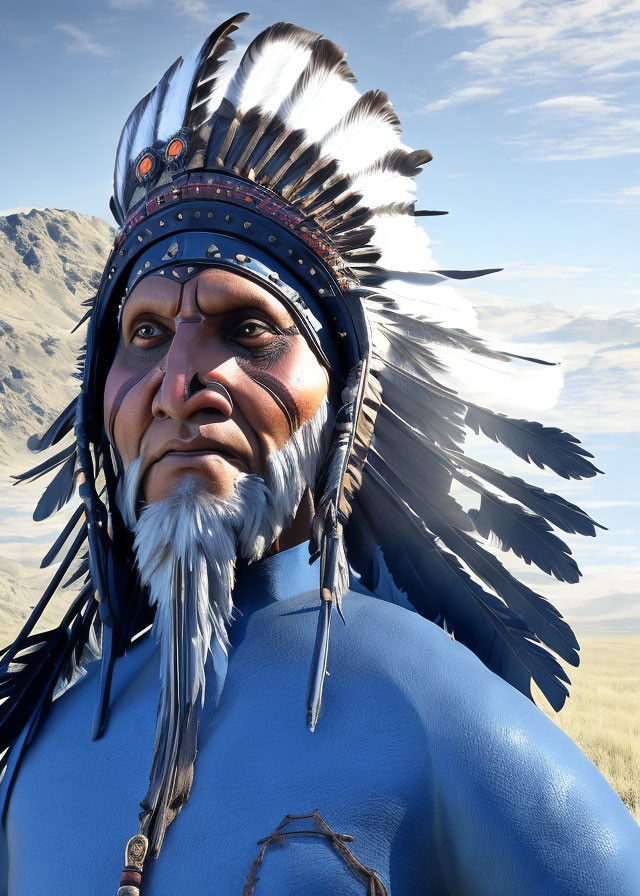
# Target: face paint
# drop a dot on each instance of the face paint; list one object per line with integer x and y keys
{"x": 210, "y": 376}
{"x": 278, "y": 392}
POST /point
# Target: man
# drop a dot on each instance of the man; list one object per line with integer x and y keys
{"x": 264, "y": 366}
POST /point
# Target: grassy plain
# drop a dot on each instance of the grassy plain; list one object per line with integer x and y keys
{"x": 603, "y": 714}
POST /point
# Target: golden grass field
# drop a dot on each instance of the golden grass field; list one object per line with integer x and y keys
{"x": 603, "y": 714}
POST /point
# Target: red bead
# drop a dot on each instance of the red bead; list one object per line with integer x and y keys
{"x": 130, "y": 878}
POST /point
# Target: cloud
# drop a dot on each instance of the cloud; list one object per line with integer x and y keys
{"x": 464, "y": 95}
{"x": 582, "y": 126}
{"x": 526, "y": 45}
{"x": 577, "y": 104}
{"x": 537, "y": 38}
{"x": 79, "y": 41}
{"x": 626, "y": 196}
{"x": 581, "y": 140}
{"x": 195, "y": 8}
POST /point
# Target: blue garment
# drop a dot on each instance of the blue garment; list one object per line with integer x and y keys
{"x": 448, "y": 780}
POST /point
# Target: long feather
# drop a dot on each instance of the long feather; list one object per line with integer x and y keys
{"x": 526, "y": 534}
{"x": 58, "y": 429}
{"x": 442, "y": 590}
{"x": 212, "y": 52}
{"x": 542, "y": 617}
{"x": 60, "y": 541}
{"x": 59, "y": 491}
{"x": 46, "y": 466}
{"x": 545, "y": 446}
{"x": 555, "y": 509}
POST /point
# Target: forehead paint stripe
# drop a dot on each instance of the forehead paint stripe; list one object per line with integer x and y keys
{"x": 279, "y": 393}
{"x": 121, "y": 394}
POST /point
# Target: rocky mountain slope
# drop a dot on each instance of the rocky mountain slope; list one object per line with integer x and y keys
{"x": 50, "y": 261}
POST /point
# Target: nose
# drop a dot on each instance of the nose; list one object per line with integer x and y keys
{"x": 194, "y": 378}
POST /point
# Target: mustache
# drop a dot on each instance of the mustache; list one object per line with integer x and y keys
{"x": 287, "y": 469}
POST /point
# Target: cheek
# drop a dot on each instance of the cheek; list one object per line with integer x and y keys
{"x": 308, "y": 383}
{"x": 127, "y": 408}
{"x": 285, "y": 396}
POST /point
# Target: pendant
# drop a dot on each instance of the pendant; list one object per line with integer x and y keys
{"x": 134, "y": 856}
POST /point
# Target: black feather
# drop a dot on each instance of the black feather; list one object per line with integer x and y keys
{"x": 60, "y": 541}
{"x": 526, "y": 534}
{"x": 555, "y": 509}
{"x": 468, "y": 275}
{"x": 542, "y": 617}
{"x": 82, "y": 570}
{"x": 85, "y": 317}
{"x": 545, "y": 446}
{"x": 59, "y": 491}
{"x": 58, "y": 429}
{"x": 441, "y": 590}
{"x": 46, "y": 466}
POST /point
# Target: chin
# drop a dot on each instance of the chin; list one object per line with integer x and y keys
{"x": 208, "y": 472}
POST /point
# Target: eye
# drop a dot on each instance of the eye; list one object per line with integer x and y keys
{"x": 251, "y": 331}
{"x": 147, "y": 332}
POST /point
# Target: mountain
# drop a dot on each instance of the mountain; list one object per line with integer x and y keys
{"x": 50, "y": 261}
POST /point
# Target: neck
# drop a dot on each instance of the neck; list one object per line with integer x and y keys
{"x": 299, "y": 530}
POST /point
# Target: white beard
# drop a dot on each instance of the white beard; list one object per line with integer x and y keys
{"x": 186, "y": 548}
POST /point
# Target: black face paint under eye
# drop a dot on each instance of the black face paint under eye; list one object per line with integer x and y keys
{"x": 265, "y": 356}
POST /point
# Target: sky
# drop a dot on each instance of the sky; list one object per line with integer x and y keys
{"x": 530, "y": 108}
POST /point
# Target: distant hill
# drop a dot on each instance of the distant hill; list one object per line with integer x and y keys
{"x": 50, "y": 261}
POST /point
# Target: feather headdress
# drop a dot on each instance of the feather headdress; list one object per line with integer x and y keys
{"x": 278, "y": 152}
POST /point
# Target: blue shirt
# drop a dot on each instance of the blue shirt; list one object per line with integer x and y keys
{"x": 448, "y": 780}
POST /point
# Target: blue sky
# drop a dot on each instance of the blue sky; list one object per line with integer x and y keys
{"x": 531, "y": 111}
{"x": 529, "y": 107}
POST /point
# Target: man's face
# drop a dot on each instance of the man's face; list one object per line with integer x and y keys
{"x": 187, "y": 348}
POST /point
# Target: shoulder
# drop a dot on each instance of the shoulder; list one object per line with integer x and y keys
{"x": 514, "y": 792}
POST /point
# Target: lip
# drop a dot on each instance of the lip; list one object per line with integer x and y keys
{"x": 198, "y": 447}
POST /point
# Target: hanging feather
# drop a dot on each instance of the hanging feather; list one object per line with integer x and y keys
{"x": 442, "y": 590}
{"x": 52, "y": 554}
{"x": 529, "y": 536}
{"x": 46, "y": 466}
{"x": 22, "y": 639}
{"x": 27, "y": 684}
{"x": 58, "y": 429}
{"x": 545, "y": 446}
{"x": 553, "y": 508}
{"x": 59, "y": 491}
{"x": 542, "y": 618}
{"x": 82, "y": 570}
